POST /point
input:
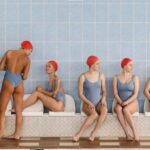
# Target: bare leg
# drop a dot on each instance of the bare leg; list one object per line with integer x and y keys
{"x": 6, "y": 92}
{"x": 47, "y": 101}
{"x": 102, "y": 110}
{"x": 29, "y": 101}
{"x": 128, "y": 111}
{"x": 32, "y": 99}
{"x": 92, "y": 116}
{"x": 18, "y": 99}
{"x": 122, "y": 121}
{"x": 51, "y": 103}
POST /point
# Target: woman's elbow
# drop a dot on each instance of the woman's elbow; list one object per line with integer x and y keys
{"x": 135, "y": 95}
{"x": 24, "y": 77}
{"x": 104, "y": 94}
{"x": 145, "y": 92}
{"x": 2, "y": 68}
{"x": 80, "y": 95}
{"x": 115, "y": 94}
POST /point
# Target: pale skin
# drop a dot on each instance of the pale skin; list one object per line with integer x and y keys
{"x": 93, "y": 113}
{"x": 147, "y": 91}
{"x": 17, "y": 62}
{"x": 124, "y": 110}
{"x": 47, "y": 98}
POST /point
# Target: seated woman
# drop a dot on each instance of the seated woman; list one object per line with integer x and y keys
{"x": 54, "y": 97}
{"x": 92, "y": 91}
{"x": 126, "y": 88}
{"x": 147, "y": 91}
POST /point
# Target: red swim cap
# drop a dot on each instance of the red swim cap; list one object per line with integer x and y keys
{"x": 54, "y": 64}
{"x": 91, "y": 60}
{"x": 125, "y": 61}
{"x": 26, "y": 45}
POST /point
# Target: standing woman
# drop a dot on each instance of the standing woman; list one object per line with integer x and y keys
{"x": 126, "y": 88}
{"x": 16, "y": 65}
{"x": 92, "y": 92}
{"x": 53, "y": 98}
{"x": 147, "y": 91}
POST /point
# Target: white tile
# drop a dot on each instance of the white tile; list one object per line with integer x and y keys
{"x": 29, "y": 144}
{"x": 109, "y": 138}
{"x": 68, "y": 144}
{"x": 66, "y": 138}
{"x": 109, "y": 143}
{"x": 30, "y": 138}
{"x": 144, "y": 143}
{"x": 145, "y": 138}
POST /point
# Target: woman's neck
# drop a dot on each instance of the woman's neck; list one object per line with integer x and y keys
{"x": 91, "y": 71}
{"x": 52, "y": 75}
{"x": 126, "y": 74}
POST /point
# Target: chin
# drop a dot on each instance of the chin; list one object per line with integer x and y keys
{"x": 129, "y": 71}
{"x": 96, "y": 70}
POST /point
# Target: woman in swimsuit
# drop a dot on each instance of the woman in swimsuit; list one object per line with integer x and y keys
{"x": 16, "y": 63}
{"x": 126, "y": 88}
{"x": 92, "y": 91}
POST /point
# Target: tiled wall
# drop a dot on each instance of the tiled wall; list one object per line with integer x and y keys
{"x": 71, "y": 30}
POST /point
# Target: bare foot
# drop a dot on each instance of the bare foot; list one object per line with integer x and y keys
{"x": 13, "y": 137}
{"x": 136, "y": 139}
{"x": 92, "y": 137}
{"x": 76, "y": 138}
{"x": 129, "y": 138}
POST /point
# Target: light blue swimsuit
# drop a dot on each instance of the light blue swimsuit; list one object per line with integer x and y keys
{"x": 125, "y": 90}
{"x": 60, "y": 96}
{"x": 92, "y": 91}
{"x": 14, "y": 79}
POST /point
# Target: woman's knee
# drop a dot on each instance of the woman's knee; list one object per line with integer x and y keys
{"x": 118, "y": 108}
{"x": 94, "y": 115}
{"x": 104, "y": 110}
{"x": 60, "y": 107}
{"x": 125, "y": 109}
{"x": 36, "y": 93}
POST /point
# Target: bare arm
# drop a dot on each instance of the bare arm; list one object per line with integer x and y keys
{"x": 104, "y": 90}
{"x": 47, "y": 93}
{"x": 3, "y": 61}
{"x": 26, "y": 70}
{"x": 135, "y": 93}
{"x": 57, "y": 87}
{"x": 115, "y": 91}
{"x": 80, "y": 91}
{"x": 147, "y": 90}
{"x": 42, "y": 90}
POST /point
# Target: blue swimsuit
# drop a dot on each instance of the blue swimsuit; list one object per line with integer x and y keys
{"x": 60, "y": 96}
{"x": 92, "y": 91}
{"x": 14, "y": 79}
{"x": 125, "y": 90}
